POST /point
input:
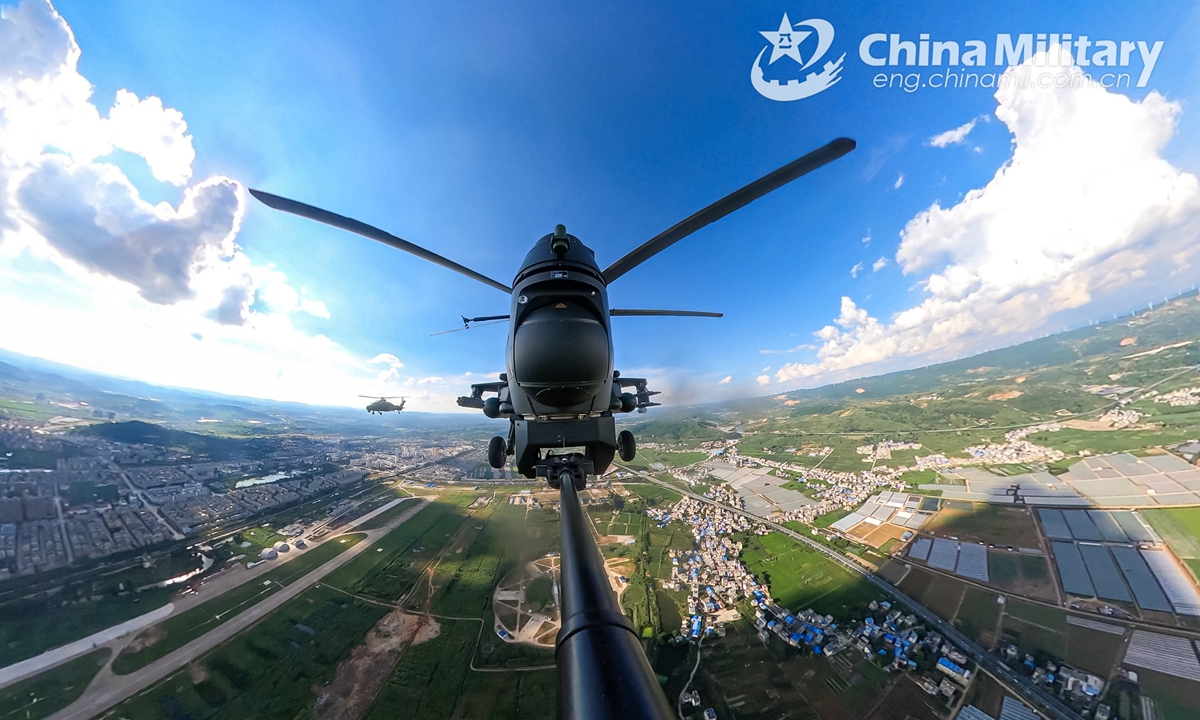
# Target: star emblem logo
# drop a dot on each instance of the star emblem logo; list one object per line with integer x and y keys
{"x": 785, "y": 41}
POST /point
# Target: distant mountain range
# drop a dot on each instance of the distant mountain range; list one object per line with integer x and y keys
{"x": 1035, "y": 380}
{"x": 39, "y": 388}
{"x": 1047, "y": 374}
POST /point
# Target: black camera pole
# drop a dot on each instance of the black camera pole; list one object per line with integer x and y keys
{"x": 602, "y": 672}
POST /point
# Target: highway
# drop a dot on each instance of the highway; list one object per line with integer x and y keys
{"x": 1019, "y": 685}
{"x": 108, "y": 689}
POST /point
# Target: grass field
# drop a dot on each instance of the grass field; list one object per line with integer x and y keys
{"x": 392, "y": 567}
{"x": 829, "y": 518}
{"x": 178, "y": 630}
{"x": 1047, "y": 617}
{"x": 34, "y": 626}
{"x": 740, "y": 670}
{"x": 654, "y": 495}
{"x": 977, "y": 616}
{"x": 386, "y": 516}
{"x": 429, "y": 677}
{"x": 1176, "y": 696}
{"x": 647, "y": 457}
{"x": 270, "y": 670}
{"x": 1092, "y": 650}
{"x": 510, "y": 536}
{"x": 1034, "y": 639}
{"x": 1110, "y": 441}
{"x": 259, "y": 538}
{"x": 944, "y": 596}
{"x": 1027, "y": 575}
{"x": 800, "y": 577}
{"x": 53, "y": 690}
{"x": 1179, "y": 529}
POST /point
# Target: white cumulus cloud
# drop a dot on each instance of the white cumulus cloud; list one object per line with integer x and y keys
{"x": 158, "y": 292}
{"x": 953, "y": 136}
{"x": 899, "y": 181}
{"x": 879, "y": 264}
{"x": 725, "y": 380}
{"x": 1086, "y": 212}
{"x": 146, "y": 128}
{"x": 854, "y": 271}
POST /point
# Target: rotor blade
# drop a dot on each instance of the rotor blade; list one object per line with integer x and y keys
{"x": 446, "y": 332}
{"x": 729, "y": 203}
{"x": 621, "y": 312}
{"x": 361, "y": 228}
{"x": 485, "y": 318}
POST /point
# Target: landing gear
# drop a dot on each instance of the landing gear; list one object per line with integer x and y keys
{"x": 626, "y": 446}
{"x": 497, "y": 452}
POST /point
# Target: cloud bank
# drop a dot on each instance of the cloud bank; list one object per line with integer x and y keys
{"x": 1087, "y": 211}
{"x": 93, "y": 275}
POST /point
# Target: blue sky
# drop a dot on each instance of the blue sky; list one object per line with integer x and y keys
{"x": 473, "y": 128}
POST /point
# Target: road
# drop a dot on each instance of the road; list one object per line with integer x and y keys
{"x": 1017, "y": 684}
{"x": 108, "y": 689}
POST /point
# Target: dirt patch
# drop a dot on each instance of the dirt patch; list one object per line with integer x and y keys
{"x": 880, "y": 535}
{"x": 146, "y": 639}
{"x": 197, "y": 672}
{"x": 893, "y": 571}
{"x": 617, "y": 540}
{"x": 360, "y": 676}
{"x": 1010, "y": 395}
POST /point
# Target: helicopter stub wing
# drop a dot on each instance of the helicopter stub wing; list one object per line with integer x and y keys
{"x": 475, "y": 399}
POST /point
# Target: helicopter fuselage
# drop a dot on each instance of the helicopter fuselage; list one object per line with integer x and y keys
{"x": 558, "y": 390}
{"x": 559, "y": 354}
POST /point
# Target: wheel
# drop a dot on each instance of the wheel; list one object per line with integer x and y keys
{"x": 496, "y": 453}
{"x": 626, "y": 446}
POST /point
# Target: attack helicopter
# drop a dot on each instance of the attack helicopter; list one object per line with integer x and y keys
{"x": 384, "y": 405}
{"x": 560, "y": 389}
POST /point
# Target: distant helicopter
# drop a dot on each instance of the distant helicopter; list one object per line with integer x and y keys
{"x": 383, "y": 405}
{"x": 560, "y": 389}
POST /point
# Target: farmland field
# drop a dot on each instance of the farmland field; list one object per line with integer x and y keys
{"x": 977, "y": 616}
{"x": 1092, "y": 650}
{"x": 944, "y": 595}
{"x": 1047, "y": 617}
{"x": 1033, "y": 639}
{"x": 1027, "y": 575}
{"x": 1179, "y": 528}
{"x": 800, "y": 577}
{"x": 994, "y": 524}
{"x": 654, "y": 494}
